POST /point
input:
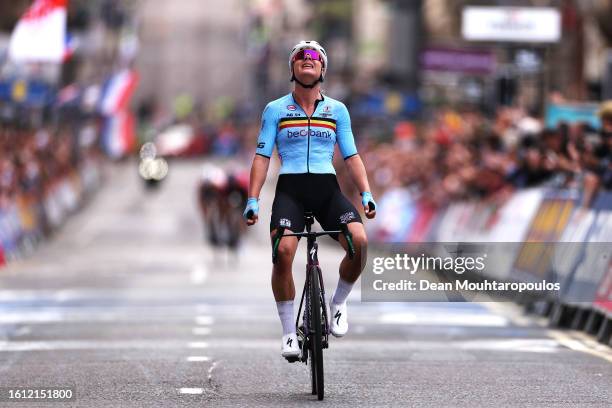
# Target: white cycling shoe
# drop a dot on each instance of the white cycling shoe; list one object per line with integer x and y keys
{"x": 339, "y": 320}
{"x": 290, "y": 348}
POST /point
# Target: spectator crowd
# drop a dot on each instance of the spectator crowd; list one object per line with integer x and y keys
{"x": 461, "y": 154}
{"x": 44, "y": 173}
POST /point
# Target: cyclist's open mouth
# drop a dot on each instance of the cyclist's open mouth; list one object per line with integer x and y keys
{"x": 307, "y": 65}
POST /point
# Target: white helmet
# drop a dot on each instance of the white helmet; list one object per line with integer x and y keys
{"x": 214, "y": 175}
{"x": 308, "y": 45}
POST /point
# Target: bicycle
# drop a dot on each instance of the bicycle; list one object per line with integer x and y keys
{"x": 313, "y": 333}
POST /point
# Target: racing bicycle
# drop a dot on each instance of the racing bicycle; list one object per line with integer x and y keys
{"x": 313, "y": 330}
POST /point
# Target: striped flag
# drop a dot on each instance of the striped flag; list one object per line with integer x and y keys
{"x": 117, "y": 92}
{"x": 119, "y": 137}
{"x": 70, "y": 47}
{"x": 40, "y": 34}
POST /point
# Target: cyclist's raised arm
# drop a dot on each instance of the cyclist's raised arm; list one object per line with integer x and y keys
{"x": 357, "y": 171}
{"x": 344, "y": 134}
{"x": 268, "y": 131}
{"x": 354, "y": 164}
{"x": 259, "y": 170}
{"x": 261, "y": 162}
{"x": 265, "y": 147}
{"x": 358, "y": 174}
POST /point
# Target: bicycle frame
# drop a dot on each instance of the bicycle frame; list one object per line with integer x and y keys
{"x": 313, "y": 336}
{"x": 312, "y": 268}
{"x": 313, "y": 271}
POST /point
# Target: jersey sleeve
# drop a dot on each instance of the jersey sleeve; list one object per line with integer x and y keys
{"x": 267, "y": 134}
{"x": 344, "y": 133}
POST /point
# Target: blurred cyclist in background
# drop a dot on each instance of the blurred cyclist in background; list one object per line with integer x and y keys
{"x": 220, "y": 198}
{"x": 305, "y": 126}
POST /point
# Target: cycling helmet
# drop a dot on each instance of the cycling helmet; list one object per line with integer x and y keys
{"x": 214, "y": 176}
{"x": 305, "y": 45}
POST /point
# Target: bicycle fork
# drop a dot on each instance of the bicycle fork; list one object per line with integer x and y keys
{"x": 311, "y": 266}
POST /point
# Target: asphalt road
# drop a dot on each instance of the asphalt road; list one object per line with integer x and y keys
{"x": 129, "y": 307}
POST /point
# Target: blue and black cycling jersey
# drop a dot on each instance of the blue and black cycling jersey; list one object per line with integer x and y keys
{"x": 306, "y": 144}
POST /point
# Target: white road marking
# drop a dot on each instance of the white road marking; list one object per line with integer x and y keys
{"x": 202, "y": 308}
{"x": 527, "y": 345}
{"x": 38, "y": 316}
{"x": 510, "y": 345}
{"x": 204, "y": 320}
{"x": 191, "y": 390}
{"x": 62, "y": 295}
{"x": 582, "y": 343}
{"x": 196, "y": 359}
{"x": 10, "y": 346}
{"x": 444, "y": 319}
{"x": 198, "y": 344}
{"x": 201, "y": 331}
{"x": 524, "y": 345}
{"x": 572, "y": 340}
{"x": 88, "y": 314}
{"x": 198, "y": 274}
{"x": 511, "y": 311}
{"x": 22, "y": 331}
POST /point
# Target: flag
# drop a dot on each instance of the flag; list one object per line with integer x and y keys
{"x": 40, "y": 34}
{"x": 117, "y": 92}
{"x": 70, "y": 46}
{"x": 119, "y": 136}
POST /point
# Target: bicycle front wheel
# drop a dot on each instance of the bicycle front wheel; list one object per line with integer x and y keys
{"x": 316, "y": 335}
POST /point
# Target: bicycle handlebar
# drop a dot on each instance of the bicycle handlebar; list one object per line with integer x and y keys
{"x": 280, "y": 233}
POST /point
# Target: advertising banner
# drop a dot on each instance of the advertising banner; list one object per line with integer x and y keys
{"x": 571, "y": 113}
{"x": 460, "y": 60}
{"x": 511, "y": 24}
{"x": 603, "y": 298}
{"x": 547, "y": 226}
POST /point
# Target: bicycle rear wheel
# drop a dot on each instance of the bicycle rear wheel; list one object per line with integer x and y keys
{"x": 316, "y": 335}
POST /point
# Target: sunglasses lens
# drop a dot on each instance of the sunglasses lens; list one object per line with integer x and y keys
{"x": 314, "y": 55}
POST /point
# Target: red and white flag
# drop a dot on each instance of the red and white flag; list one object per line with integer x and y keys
{"x": 40, "y": 34}
{"x": 118, "y": 91}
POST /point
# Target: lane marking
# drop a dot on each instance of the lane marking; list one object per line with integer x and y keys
{"x": 194, "y": 391}
{"x": 197, "y": 359}
{"x": 10, "y": 346}
{"x": 22, "y": 331}
{"x": 199, "y": 274}
{"x": 204, "y": 320}
{"x": 510, "y": 345}
{"x": 584, "y": 344}
{"x": 198, "y": 344}
{"x": 88, "y": 314}
{"x": 201, "y": 331}
{"x": 573, "y": 340}
{"x": 513, "y": 312}
{"x": 529, "y": 345}
{"x": 444, "y": 319}
{"x": 202, "y": 308}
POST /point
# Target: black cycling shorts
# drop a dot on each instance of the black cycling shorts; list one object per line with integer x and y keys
{"x": 318, "y": 193}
